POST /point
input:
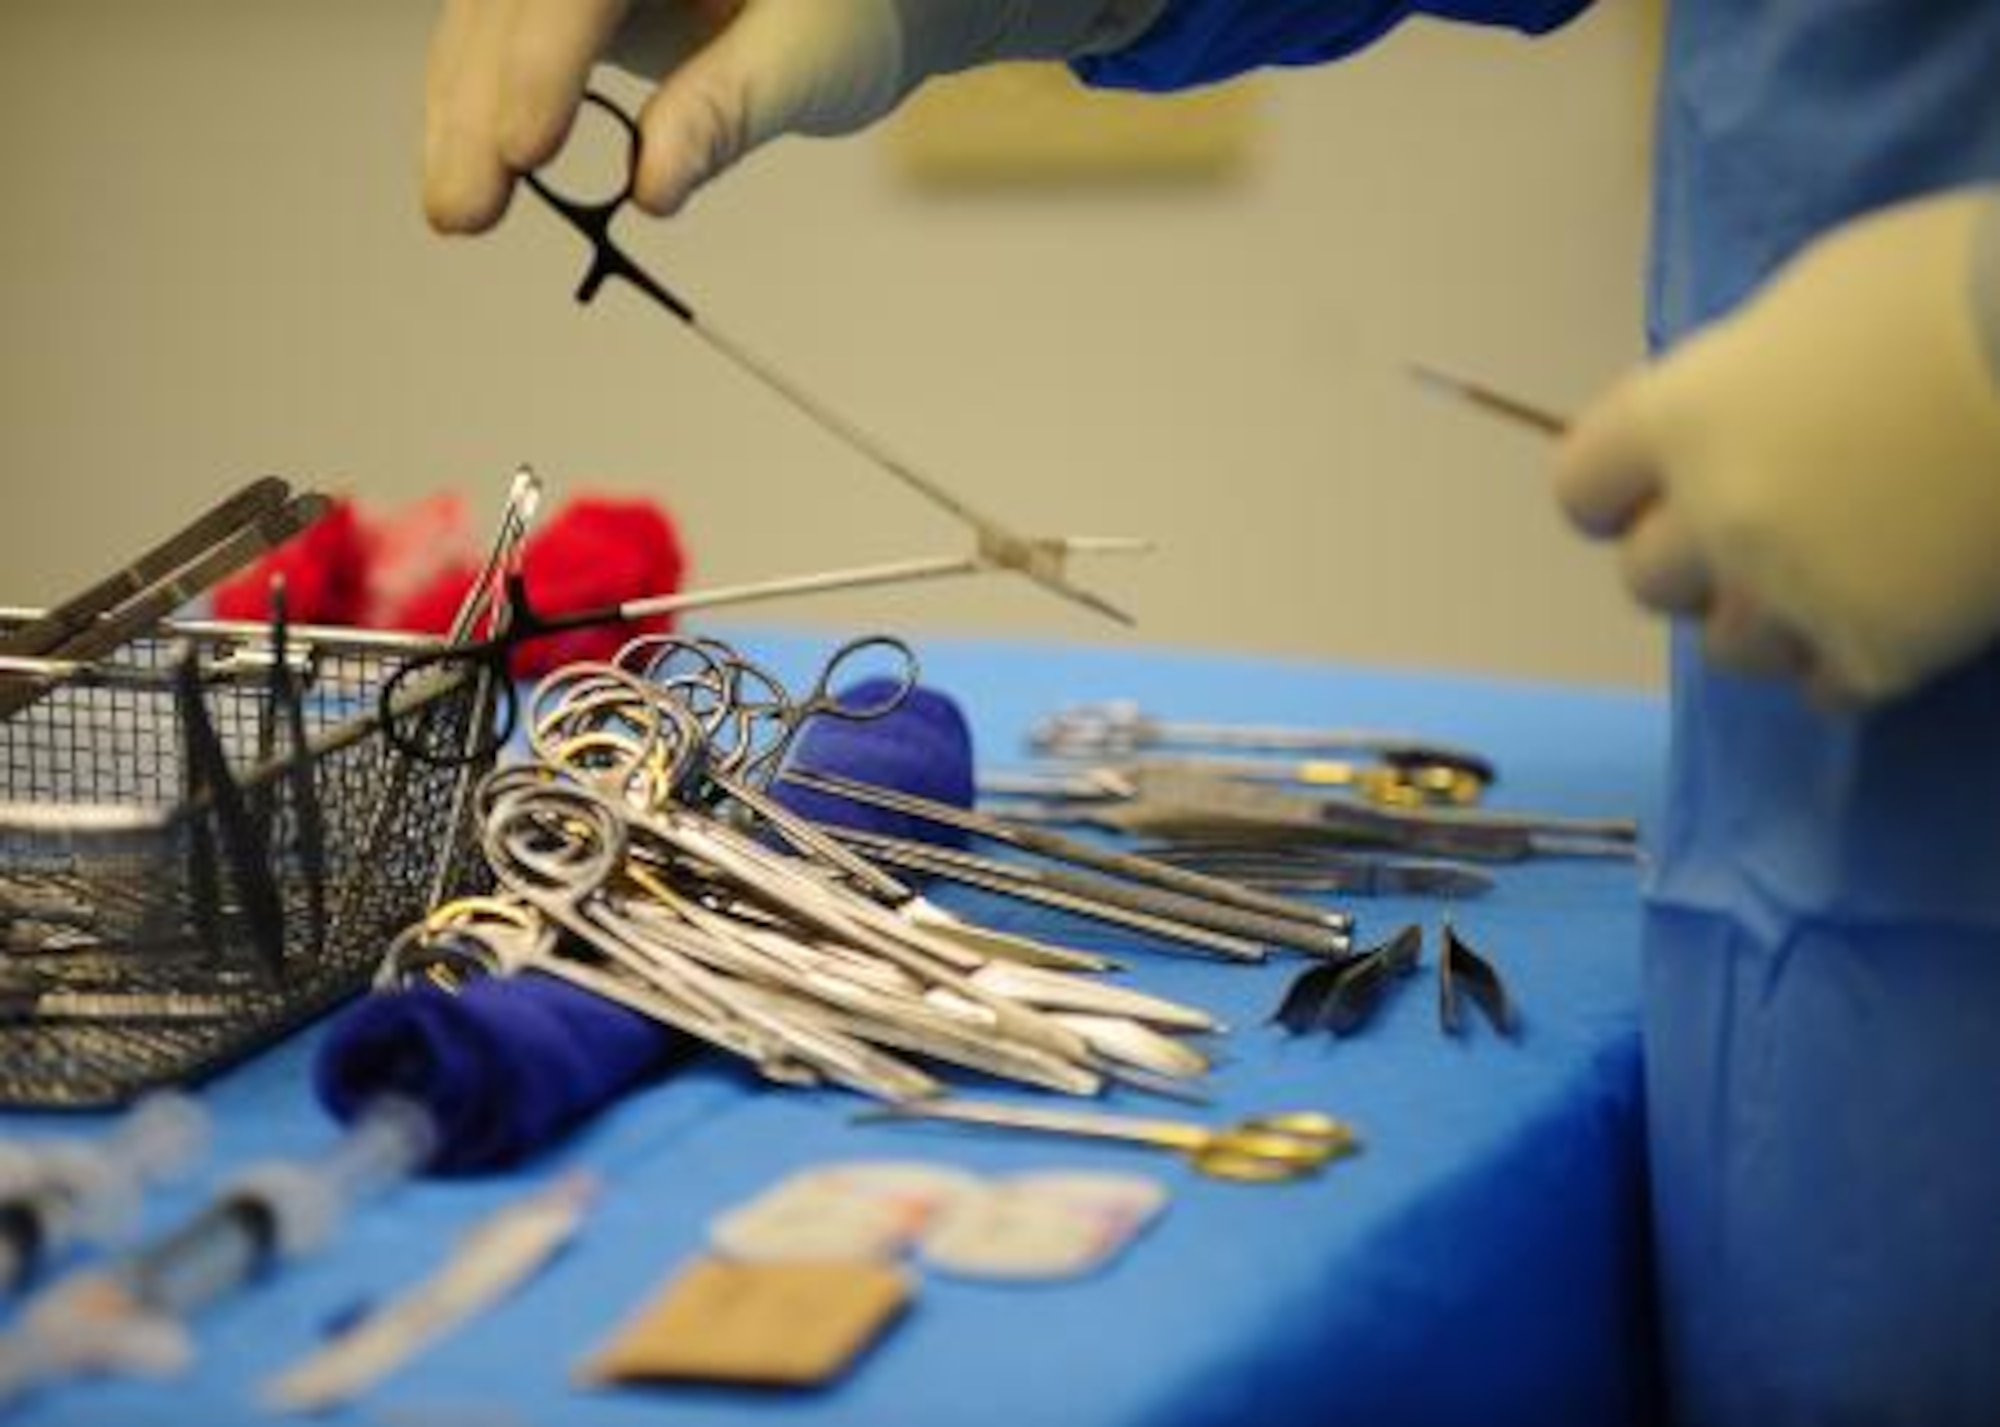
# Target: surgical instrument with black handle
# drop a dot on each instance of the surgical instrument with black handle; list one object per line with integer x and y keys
{"x": 1040, "y": 559}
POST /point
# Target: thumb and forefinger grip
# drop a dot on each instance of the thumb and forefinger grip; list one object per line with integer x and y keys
{"x": 1606, "y": 470}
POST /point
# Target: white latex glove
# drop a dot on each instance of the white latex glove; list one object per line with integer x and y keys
{"x": 506, "y": 76}
{"x": 1817, "y": 478}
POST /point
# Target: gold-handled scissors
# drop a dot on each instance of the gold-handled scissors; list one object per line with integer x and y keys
{"x": 1263, "y": 1149}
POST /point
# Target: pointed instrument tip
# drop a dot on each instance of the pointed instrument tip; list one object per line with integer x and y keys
{"x": 1098, "y": 603}
{"x": 1433, "y": 380}
{"x": 1106, "y": 544}
{"x": 1523, "y": 413}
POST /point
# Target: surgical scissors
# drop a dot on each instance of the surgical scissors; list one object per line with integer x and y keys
{"x": 570, "y": 853}
{"x": 556, "y": 847}
{"x": 1040, "y": 558}
{"x": 1262, "y": 1149}
{"x": 764, "y": 729}
{"x": 597, "y": 723}
{"x": 736, "y": 719}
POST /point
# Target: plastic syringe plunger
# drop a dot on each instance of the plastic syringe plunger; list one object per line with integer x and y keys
{"x": 63, "y": 1192}
{"x": 131, "y": 1315}
{"x": 281, "y": 1209}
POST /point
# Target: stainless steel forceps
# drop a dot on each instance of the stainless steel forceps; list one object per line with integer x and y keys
{"x": 1041, "y": 559}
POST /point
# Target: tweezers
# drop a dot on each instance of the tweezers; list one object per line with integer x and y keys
{"x": 1341, "y": 995}
{"x": 1460, "y": 966}
{"x": 128, "y": 604}
{"x": 287, "y": 702}
{"x": 212, "y": 788}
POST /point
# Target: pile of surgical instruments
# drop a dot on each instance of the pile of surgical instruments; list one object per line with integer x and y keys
{"x": 643, "y": 853}
{"x": 201, "y": 844}
{"x": 208, "y": 828}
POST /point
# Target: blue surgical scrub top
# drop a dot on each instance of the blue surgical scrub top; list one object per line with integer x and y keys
{"x": 1823, "y": 925}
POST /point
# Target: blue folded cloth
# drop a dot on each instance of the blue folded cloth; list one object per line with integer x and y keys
{"x": 504, "y": 1066}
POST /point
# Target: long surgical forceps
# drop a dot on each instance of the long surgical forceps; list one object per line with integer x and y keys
{"x": 406, "y": 688}
{"x": 1263, "y": 1149}
{"x": 1041, "y": 559}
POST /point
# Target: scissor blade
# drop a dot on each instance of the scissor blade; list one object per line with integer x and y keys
{"x": 1063, "y": 849}
{"x": 1461, "y": 967}
{"x": 1365, "y": 980}
{"x": 1305, "y": 998}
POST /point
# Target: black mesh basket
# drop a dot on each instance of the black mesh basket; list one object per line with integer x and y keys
{"x": 206, "y": 840}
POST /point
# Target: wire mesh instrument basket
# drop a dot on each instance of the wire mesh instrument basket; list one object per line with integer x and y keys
{"x": 206, "y": 839}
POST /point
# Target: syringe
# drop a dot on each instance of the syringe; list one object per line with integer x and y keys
{"x": 63, "y": 1192}
{"x": 130, "y": 1316}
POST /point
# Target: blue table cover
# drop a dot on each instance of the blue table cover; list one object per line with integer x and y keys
{"x": 1483, "y": 1260}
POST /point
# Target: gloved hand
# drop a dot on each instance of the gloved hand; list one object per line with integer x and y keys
{"x": 1817, "y": 477}
{"x": 505, "y": 77}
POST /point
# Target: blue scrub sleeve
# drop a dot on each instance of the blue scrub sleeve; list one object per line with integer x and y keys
{"x": 1202, "y": 41}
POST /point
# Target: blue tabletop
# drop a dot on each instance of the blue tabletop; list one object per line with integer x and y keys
{"x": 1484, "y": 1258}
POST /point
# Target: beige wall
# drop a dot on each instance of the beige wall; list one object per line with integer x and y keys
{"x": 212, "y": 265}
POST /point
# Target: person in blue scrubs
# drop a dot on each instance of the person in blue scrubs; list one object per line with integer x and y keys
{"x": 1807, "y": 477}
